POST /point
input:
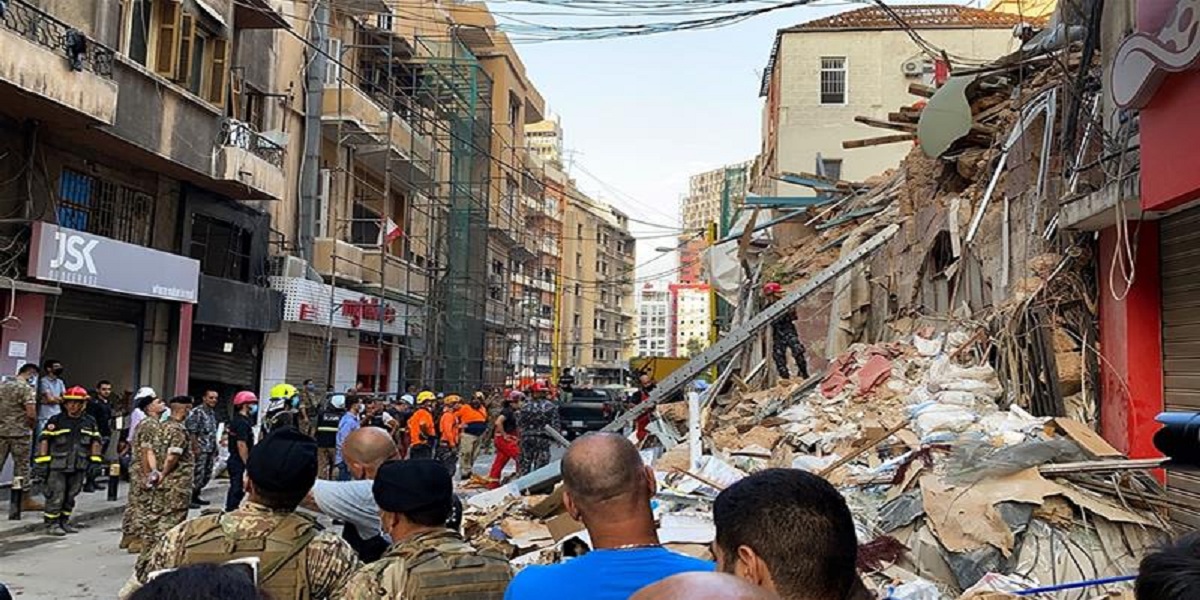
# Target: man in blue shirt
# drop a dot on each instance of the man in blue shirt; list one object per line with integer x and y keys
{"x": 351, "y": 421}
{"x": 608, "y": 489}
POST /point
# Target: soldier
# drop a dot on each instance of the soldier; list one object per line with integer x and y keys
{"x": 427, "y": 560}
{"x": 309, "y": 403}
{"x": 327, "y": 431}
{"x": 783, "y": 336}
{"x": 422, "y": 434}
{"x": 201, "y": 423}
{"x": 297, "y": 558}
{"x": 171, "y": 491}
{"x": 448, "y": 428}
{"x": 67, "y": 449}
{"x": 143, "y": 468}
{"x": 532, "y": 419}
{"x": 18, "y": 415}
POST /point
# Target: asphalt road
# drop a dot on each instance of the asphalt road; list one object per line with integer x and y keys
{"x": 84, "y": 565}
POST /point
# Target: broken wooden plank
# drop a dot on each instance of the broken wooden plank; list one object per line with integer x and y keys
{"x": 910, "y": 128}
{"x": 904, "y": 117}
{"x": 879, "y": 141}
{"x": 922, "y": 90}
{"x": 870, "y": 445}
{"x": 1102, "y": 466}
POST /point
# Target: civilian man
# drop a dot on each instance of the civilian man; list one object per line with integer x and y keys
{"x": 100, "y": 407}
{"x": 349, "y": 423}
{"x": 50, "y": 391}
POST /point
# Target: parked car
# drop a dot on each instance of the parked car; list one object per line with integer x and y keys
{"x": 590, "y": 409}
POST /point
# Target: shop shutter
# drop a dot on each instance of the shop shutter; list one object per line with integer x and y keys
{"x": 1180, "y": 256}
{"x": 210, "y": 362}
{"x": 306, "y": 359}
{"x": 95, "y": 306}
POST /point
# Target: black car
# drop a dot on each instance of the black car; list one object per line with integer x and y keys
{"x": 589, "y": 410}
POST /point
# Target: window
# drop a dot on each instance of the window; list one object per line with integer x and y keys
{"x": 578, "y": 290}
{"x": 497, "y": 267}
{"x": 91, "y": 204}
{"x": 579, "y": 232}
{"x": 222, "y": 248}
{"x": 514, "y": 111}
{"x": 578, "y": 260}
{"x": 135, "y": 16}
{"x": 364, "y": 229}
{"x": 831, "y": 168}
{"x": 833, "y": 80}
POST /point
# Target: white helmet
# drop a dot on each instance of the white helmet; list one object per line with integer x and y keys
{"x": 408, "y": 399}
{"x": 145, "y": 392}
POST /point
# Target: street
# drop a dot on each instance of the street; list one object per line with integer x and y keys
{"x": 84, "y": 565}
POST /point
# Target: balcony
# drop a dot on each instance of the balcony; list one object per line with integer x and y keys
{"x": 359, "y": 119}
{"x": 338, "y": 260}
{"x": 247, "y": 157}
{"x": 46, "y": 58}
{"x": 396, "y": 275}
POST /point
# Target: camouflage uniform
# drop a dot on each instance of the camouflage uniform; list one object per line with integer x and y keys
{"x": 133, "y": 524}
{"x": 783, "y": 339}
{"x": 309, "y": 402}
{"x": 16, "y": 436}
{"x": 201, "y": 423}
{"x": 322, "y": 567}
{"x": 532, "y": 419}
{"x": 168, "y": 502}
{"x": 436, "y": 564}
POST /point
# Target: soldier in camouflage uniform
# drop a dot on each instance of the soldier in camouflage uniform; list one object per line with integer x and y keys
{"x": 310, "y": 407}
{"x": 171, "y": 495}
{"x": 18, "y": 415}
{"x": 532, "y": 419}
{"x": 201, "y": 424}
{"x": 144, "y": 473}
{"x": 427, "y": 560}
{"x": 297, "y": 558}
{"x": 784, "y": 337}
{"x": 67, "y": 448}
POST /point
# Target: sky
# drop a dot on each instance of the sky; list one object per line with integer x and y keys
{"x": 641, "y": 114}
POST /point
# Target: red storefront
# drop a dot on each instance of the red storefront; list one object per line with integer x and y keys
{"x": 1150, "y": 269}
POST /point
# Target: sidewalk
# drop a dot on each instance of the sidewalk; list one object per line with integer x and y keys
{"x": 92, "y": 507}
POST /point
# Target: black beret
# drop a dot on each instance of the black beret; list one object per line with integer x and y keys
{"x": 145, "y": 401}
{"x": 181, "y": 400}
{"x": 405, "y": 486}
{"x": 284, "y": 461}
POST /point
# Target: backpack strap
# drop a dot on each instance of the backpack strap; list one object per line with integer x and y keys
{"x": 298, "y": 547}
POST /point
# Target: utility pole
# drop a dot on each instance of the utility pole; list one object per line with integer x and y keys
{"x": 314, "y": 88}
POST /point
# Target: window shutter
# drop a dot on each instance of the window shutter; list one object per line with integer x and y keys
{"x": 166, "y": 57}
{"x": 219, "y": 77}
{"x": 187, "y": 39}
{"x": 333, "y": 67}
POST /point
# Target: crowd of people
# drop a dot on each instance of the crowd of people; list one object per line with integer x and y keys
{"x": 385, "y": 471}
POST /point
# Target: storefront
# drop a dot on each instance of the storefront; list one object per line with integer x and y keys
{"x": 337, "y": 337}
{"x": 124, "y": 312}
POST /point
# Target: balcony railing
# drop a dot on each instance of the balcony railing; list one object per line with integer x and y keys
{"x": 237, "y": 134}
{"x": 43, "y": 28}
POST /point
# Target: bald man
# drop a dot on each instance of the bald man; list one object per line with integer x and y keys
{"x": 608, "y": 488}
{"x": 703, "y": 586}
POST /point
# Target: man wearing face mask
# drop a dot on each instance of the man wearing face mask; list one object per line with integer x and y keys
{"x": 241, "y": 441}
{"x": 50, "y": 391}
{"x": 18, "y": 415}
{"x": 350, "y": 423}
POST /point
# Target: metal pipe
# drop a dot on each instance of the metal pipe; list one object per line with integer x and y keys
{"x": 1074, "y": 585}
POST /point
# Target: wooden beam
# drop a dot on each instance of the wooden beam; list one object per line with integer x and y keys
{"x": 879, "y": 141}
{"x": 904, "y": 117}
{"x": 922, "y": 90}
{"x": 906, "y": 127}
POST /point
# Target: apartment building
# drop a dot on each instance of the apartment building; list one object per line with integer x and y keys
{"x": 690, "y": 309}
{"x": 597, "y": 314}
{"x": 824, "y": 73}
{"x": 713, "y": 197}
{"x": 545, "y": 139}
{"x": 655, "y": 334}
{"x": 539, "y": 279}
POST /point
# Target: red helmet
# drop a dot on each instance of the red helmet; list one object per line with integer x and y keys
{"x": 772, "y": 287}
{"x": 75, "y": 393}
{"x": 244, "y": 397}
{"x": 538, "y": 386}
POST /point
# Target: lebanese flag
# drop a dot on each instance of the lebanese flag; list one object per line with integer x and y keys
{"x": 390, "y": 232}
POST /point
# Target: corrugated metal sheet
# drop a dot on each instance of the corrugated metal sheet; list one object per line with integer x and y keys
{"x": 1028, "y": 8}
{"x": 1180, "y": 269}
{"x": 918, "y": 16}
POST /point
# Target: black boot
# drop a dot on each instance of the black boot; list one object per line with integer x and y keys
{"x": 195, "y": 503}
{"x": 65, "y": 524}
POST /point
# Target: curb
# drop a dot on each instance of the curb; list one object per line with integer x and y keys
{"x": 117, "y": 507}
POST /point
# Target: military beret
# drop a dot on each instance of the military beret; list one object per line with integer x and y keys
{"x": 283, "y": 461}
{"x": 405, "y": 486}
{"x": 181, "y": 400}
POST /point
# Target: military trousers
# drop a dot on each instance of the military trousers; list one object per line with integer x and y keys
{"x": 61, "y": 489}
{"x": 783, "y": 341}
{"x": 19, "y": 447}
{"x": 535, "y": 453}
{"x": 203, "y": 471}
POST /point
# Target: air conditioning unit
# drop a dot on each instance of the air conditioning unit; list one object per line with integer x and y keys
{"x": 913, "y": 68}
{"x": 289, "y": 266}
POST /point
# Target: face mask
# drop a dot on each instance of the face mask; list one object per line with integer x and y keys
{"x": 254, "y": 409}
{"x": 295, "y": 402}
{"x": 166, "y": 416}
{"x": 58, "y": 372}
{"x": 310, "y": 387}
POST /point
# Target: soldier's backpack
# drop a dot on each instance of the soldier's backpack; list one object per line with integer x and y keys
{"x": 446, "y": 568}
{"x": 283, "y": 565}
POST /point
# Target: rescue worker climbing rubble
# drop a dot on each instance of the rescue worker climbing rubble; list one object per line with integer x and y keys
{"x": 532, "y": 419}
{"x": 784, "y": 337}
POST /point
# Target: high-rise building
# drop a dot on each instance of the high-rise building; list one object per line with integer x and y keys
{"x": 702, "y": 207}
{"x": 545, "y": 139}
{"x": 690, "y": 305}
{"x": 655, "y": 323}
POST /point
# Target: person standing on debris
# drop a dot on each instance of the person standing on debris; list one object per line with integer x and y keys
{"x": 447, "y": 450}
{"x": 143, "y": 467}
{"x": 328, "y": 423}
{"x": 784, "y": 337}
{"x": 608, "y": 488}
{"x": 171, "y": 492}
{"x": 422, "y": 434}
{"x": 241, "y": 442}
{"x": 646, "y": 385}
{"x": 791, "y": 532}
{"x": 202, "y": 426}
{"x": 472, "y": 417}
{"x": 350, "y": 422}
{"x": 504, "y": 437}
{"x": 415, "y": 497}
{"x": 18, "y": 416}
{"x": 298, "y": 559}
{"x": 532, "y": 419}
{"x": 67, "y": 448}
{"x": 100, "y": 408}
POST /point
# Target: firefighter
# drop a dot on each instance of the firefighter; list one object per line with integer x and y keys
{"x": 783, "y": 336}
{"x": 68, "y": 448}
{"x": 327, "y": 430}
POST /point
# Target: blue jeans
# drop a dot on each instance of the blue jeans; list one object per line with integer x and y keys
{"x": 236, "y": 489}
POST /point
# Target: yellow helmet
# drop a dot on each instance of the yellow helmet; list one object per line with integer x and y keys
{"x": 284, "y": 390}
{"x": 424, "y": 397}
{"x": 453, "y": 399}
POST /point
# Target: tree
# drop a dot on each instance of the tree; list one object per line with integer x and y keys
{"x": 694, "y": 347}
